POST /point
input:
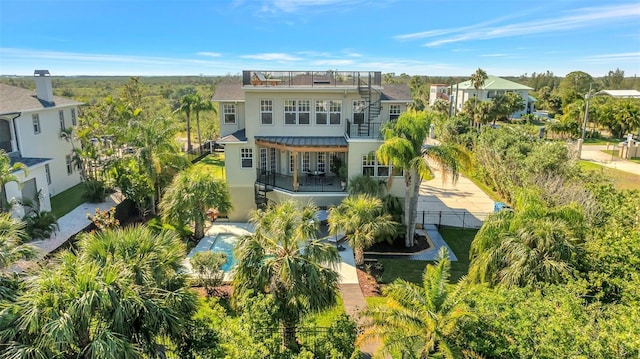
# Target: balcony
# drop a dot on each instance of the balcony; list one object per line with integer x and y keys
{"x": 369, "y": 130}
{"x": 307, "y": 182}
{"x": 311, "y": 78}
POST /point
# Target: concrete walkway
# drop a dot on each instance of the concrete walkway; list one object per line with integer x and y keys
{"x": 593, "y": 153}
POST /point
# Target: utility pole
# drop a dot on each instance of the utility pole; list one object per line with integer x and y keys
{"x": 584, "y": 125}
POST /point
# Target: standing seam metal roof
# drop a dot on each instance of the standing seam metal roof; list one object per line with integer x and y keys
{"x": 302, "y": 141}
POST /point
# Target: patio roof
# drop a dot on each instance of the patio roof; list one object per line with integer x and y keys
{"x": 304, "y": 143}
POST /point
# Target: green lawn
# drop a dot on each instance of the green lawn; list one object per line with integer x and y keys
{"x": 216, "y": 161}
{"x": 68, "y": 200}
{"x": 621, "y": 179}
{"x": 459, "y": 240}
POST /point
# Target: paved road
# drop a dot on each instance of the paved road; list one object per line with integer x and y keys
{"x": 593, "y": 153}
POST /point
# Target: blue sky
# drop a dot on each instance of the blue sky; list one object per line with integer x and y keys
{"x": 417, "y": 37}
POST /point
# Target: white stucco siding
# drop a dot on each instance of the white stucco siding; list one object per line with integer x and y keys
{"x": 359, "y": 148}
{"x": 13, "y": 190}
{"x": 227, "y": 129}
{"x": 48, "y": 144}
{"x": 279, "y": 128}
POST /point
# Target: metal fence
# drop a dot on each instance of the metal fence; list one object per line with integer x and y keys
{"x": 452, "y": 218}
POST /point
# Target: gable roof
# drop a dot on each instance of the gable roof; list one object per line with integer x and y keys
{"x": 494, "y": 83}
{"x": 396, "y": 92}
{"x": 15, "y": 99}
{"x": 228, "y": 92}
{"x": 238, "y": 136}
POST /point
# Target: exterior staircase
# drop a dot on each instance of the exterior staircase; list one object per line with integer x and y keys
{"x": 373, "y": 107}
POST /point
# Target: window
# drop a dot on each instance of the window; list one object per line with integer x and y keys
{"x": 69, "y": 165}
{"x": 74, "y": 120}
{"x": 36, "y": 123}
{"x": 394, "y": 112}
{"x": 47, "y": 172}
{"x": 266, "y": 112}
{"x": 62, "y": 125}
{"x": 272, "y": 159}
{"x": 321, "y": 112}
{"x": 297, "y": 112}
{"x": 358, "y": 111}
{"x": 263, "y": 159}
{"x": 321, "y": 161}
{"x": 306, "y": 162}
{"x": 246, "y": 157}
{"x": 373, "y": 168}
{"x": 335, "y": 112}
{"x": 229, "y": 113}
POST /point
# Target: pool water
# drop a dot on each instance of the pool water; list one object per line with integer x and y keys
{"x": 225, "y": 242}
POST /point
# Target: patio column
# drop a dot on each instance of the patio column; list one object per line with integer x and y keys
{"x": 295, "y": 171}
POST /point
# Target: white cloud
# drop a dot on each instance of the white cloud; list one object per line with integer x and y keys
{"x": 209, "y": 54}
{"x": 332, "y": 62}
{"x": 581, "y": 18}
{"x": 271, "y": 57}
{"x": 633, "y": 57}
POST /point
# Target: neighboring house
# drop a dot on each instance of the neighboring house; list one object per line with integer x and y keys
{"x": 285, "y": 132}
{"x": 30, "y": 127}
{"x": 438, "y": 92}
{"x": 492, "y": 87}
{"x": 620, "y": 93}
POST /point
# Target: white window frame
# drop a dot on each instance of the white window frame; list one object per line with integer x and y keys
{"x": 335, "y": 111}
{"x": 369, "y": 163}
{"x": 291, "y": 163}
{"x": 47, "y": 172}
{"x": 266, "y": 108}
{"x": 322, "y": 109}
{"x": 35, "y": 118}
{"x": 272, "y": 159}
{"x": 321, "y": 161}
{"x": 62, "y": 124}
{"x": 263, "y": 159}
{"x": 229, "y": 111}
{"x": 246, "y": 158}
{"x": 394, "y": 111}
{"x": 374, "y": 165}
{"x": 74, "y": 118}
{"x": 69, "y": 164}
{"x": 297, "y": 112}
{"x": 306, "y": 162}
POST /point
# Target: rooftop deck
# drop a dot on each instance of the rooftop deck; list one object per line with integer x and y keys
{"x": 311, "y": 78}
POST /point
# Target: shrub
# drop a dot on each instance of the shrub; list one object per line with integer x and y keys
{"x": 95, "y": 191}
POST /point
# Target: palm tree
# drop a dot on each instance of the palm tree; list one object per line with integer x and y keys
{"x": 186, "y": 104}
{"x": 362, "y": 219}
{"x": 7, "y": 175}
{"x": 191, "y": 194}
{"x": 201, "y": 105}
{"x": 122, "y": 296}
{"x": 477, "y": 80}
{"x": 284, "y": 259}
{"x": 534, "y": 244}
{"x": 415, "y": 320}
{"x": 403, "y": 147}
{"x": 12, "y": 234}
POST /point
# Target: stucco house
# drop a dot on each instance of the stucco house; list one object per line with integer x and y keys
{"x": 30, "y": 126}
{"x": 286, "y": 133}
{"x": 492, "y": 87}
{"x": 438, "y": 92}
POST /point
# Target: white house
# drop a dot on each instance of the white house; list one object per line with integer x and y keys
{"x": 30, "y": 128}
{"x": 438, "y": 92}
{"x": 285, "y": 132}
{"x": 620, "y": 93}
{"x": 492, "y": 87}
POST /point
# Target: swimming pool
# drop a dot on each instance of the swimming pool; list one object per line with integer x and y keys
{"x": 225, "y": 242}
{"x": 219, "y": 242}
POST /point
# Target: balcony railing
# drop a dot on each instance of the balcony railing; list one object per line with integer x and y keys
{"x": 311, "y": 78}
{"x": 364, "y": 130}
{"x": 306, "y": 182}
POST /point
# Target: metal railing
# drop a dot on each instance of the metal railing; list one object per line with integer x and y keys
{"x": 452, "y": 218}
{"x": 364, "y": 130}
{"x": 306, "y": 181}
{"x": 311, "y": 78}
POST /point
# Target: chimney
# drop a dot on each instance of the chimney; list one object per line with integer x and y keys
{"x": 44, "y": 90}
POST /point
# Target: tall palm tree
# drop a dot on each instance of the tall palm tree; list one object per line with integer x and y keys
{"x": 186, "y": 104}
{"x": 415, "y": 320}
{"x": 403, "y": 147}
{"x": 284, "y": 258}
{"x": 7, "y": 174}
{"x": 201, "y": 105}
{"x": 121, "y": 296}
{"x": 191, "y": 193}
{"x": 361, "y": 218}
{"x": 477, "y": 80}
